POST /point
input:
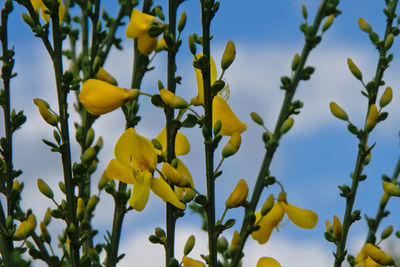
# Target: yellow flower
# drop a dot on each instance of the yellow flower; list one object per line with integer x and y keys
{"x": 301, "y": 217}
{"x": 100, "y": 97}
{"x": 184, "y": 194}
{"x": 373, "y": 252}
{"x": 172, "y": 100}
{"x": 267, "y": 262}
{"x": 368, "y": 262}
{"x": 189, "y": 262}
{"x": 221, "y": 109}
{"x": 238, "y": 195}
{"x": 26, "y": 228}
{"x": 182, "y": 146}
{"x": 38, "y": 4}
{"x": 134, "y": 163}
{"x": 138, "y": 27}
{"x": 174, "y": 176}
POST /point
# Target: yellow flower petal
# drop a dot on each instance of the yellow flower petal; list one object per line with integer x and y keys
{"x": 146, "y": 43}
{"x": 377, "y": 255}
{"x": 230, "y": 123}
{"x": 117, "y": 171}
{"x": 238, "y": 195}
{"x": 267, "y": 262}
{"x": 174, "y": 176}
{"x": 182, "y": 146}
{"x": 138, "y": 24}
{"x": 37, "y": 4}
{"x": 141, "y": 191}
{"x": 100, "y": 97}
{"x": 164, "y": 191}
{"x": 134, "y": 149}
{"x": 179, "y": 191}
{"x": 189, "y": 262}
{"x": 103, "y": 75}
{"x": 268, "y": 223}
{"x": 199, "y": 78}
{"x": 302, "y": 218}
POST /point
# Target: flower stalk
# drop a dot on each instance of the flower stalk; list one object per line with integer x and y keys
{"x": 283, "y": 115}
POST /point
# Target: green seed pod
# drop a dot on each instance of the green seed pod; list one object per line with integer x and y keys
{"x": 256, "y": 118}
{"x": 354, "y": 69}
{"x": 338, "y": 112}
{"x": 387, "y": 232}
{"x": 229, "y": 55}
{"x": 45, "y": 189}
{"x": 389, "y": 41}
{"x": 386, "y": 97}
{"x": 287, "y": 125}
{"x": 268, "y": 204}
{"x": 182, "y": 21}
{"x": 189, "y": 245}
{"x": 295, "y": 61}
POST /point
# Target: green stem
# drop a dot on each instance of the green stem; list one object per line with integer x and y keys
{"x": 264, "y": 170}
{"x": 120, "y": 198}
{"x": 170, "y": 130}
{"x": 371, "y": 236}
{"x": 6, "y": 244}
{"x": 348, "y": 220}
{"x": 65, "y": 149}
{"x": 207, "y": 132}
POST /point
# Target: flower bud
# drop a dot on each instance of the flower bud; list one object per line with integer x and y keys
{"x": 182, "y": 21}
{"x": 174, "y": 176}
{"x": 328, "y": 22}
{"x": 387, "y": 232}
{"x": 337, "y": 228}
{"x": 192, "y": 45}
{"x": 268, "y": 204}
{"x": 222, "y": 244}
{"x": 328, "y": 226}
{"x": 44, "y": 188}
{"x": 161, "y": 44}
{"x": 338, "y": 112}
{"x": 364, "y": 26}
{"x": 103, "y": 181}
{"x": 88, "y": 155}
{"x": 189, "y": 195}
{"x": 235, "y": 243}
{"x": 9, "y": 222}
{"x": 80, "y": 209}
{"x": 389, "y": 41}
{"x": 28, "y": 20}
{"x": 267, "y": 262}
{"x": 17, "y": 186}
{"x": 376, "y": 254}
{"x": 295, "y": 61}
{"x": 91, "y": 205}
{"x": 287, "y": 125}
{"x": 391, "y": 189}
{"x": 89, "y": 137}
{"x": 44, "y": 233}
{"x": 386, "y": 97}
{"x": 26, "y": 228}
{"x": 44, "y": 111}
{"x": 47, "y": 216}
{"x": 238, "y": 196}
{"x": 232, "y": 146}
{"x": 372, "y": 118}
{"x": 103, "y": 75}
{"x": 189, "y": 245}
{"x": 354, "y": 69}
{"x": 172, "y": 100}
{"x": 256, "y": 118}
{"x": 229, "y": 55}
{"x": 189, "y": 262}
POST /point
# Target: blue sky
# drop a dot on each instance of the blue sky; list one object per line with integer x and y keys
{"x": 316, "y": 156}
